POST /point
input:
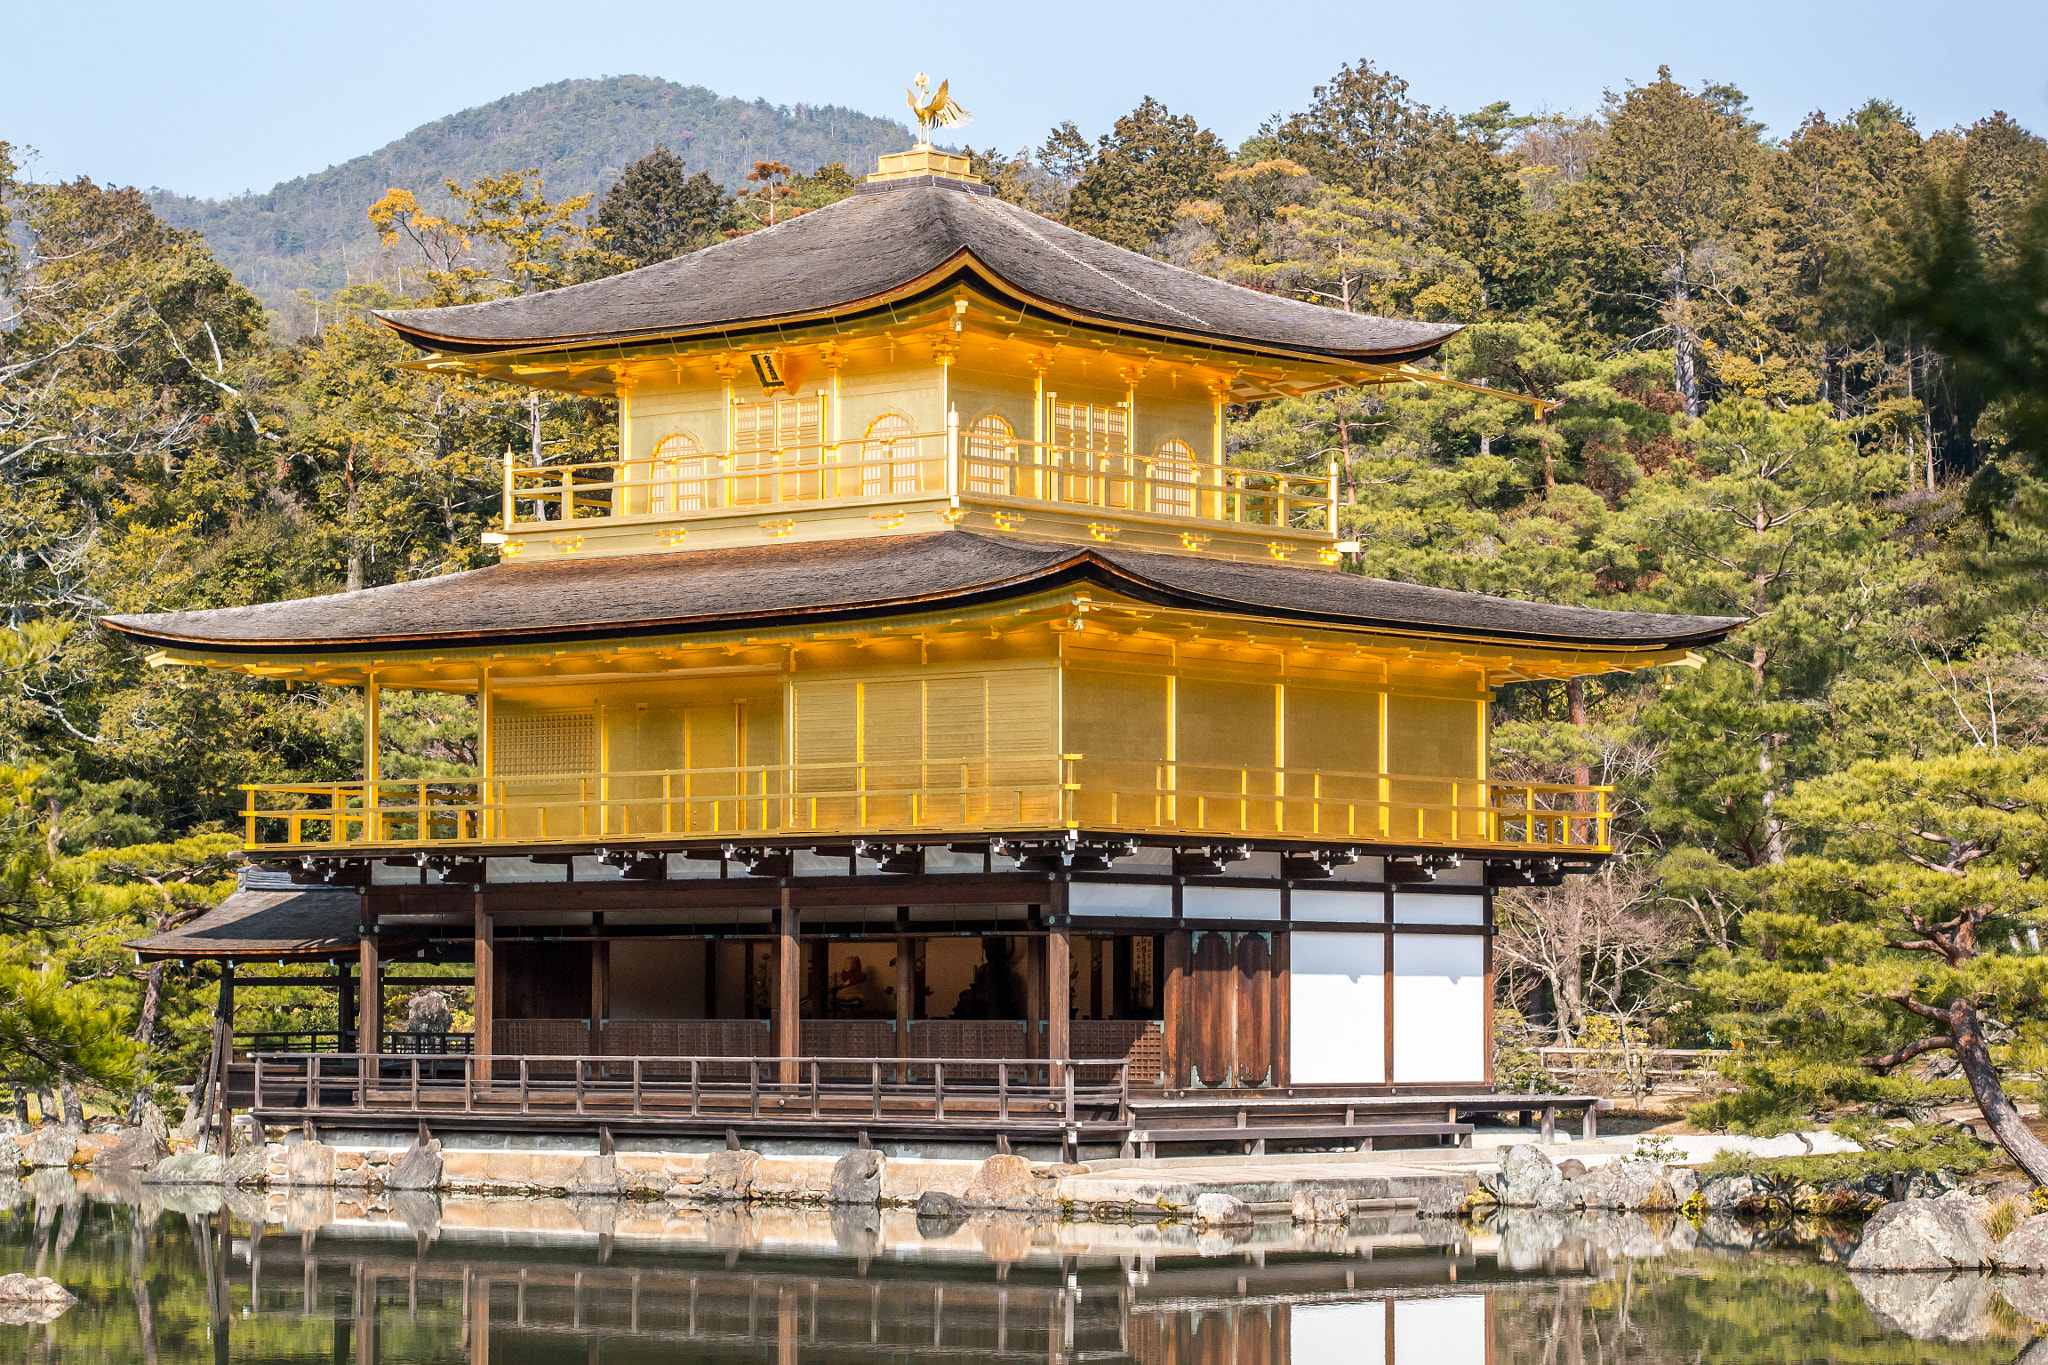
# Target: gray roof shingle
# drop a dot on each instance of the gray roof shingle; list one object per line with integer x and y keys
{"x": 707, "y": 590}
{"x": 874, "y": 245}
{"x": 301, "y": 922}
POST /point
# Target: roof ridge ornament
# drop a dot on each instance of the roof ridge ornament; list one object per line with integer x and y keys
{"x": 937, "y": 110}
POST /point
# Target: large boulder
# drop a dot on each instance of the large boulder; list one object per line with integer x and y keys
{"x": 418, "y": 1167}
{"x": 856, "y": 1178}
{"x": 49, "y": 1147}
{"x": 2025, "y": 1247}
{"x": 29, "y": 1301}
{"x": 939, "y": 1204}
{"x": 1440, "y": 1198}
{"x": 137, "y": 1148}
{"x": 1222, "y": 1210}
{"x": 1634, "y": 1185}
{"x": 1922, "y": 1234}
{"x": 187, "y": 1168}
{"x": 728, "y": 1175}
{"x": 1525, "y": 1173}
{"x": 1749, "y": 1195}
{"x": 1007, "y": 1181}
{"x": 309, "y": 1164}
{"x": 1319, "y": 1207}
{"x": 428, "y": 1012}
{"x": 249, "y": 1166}
{"x": 595, "y": 1177}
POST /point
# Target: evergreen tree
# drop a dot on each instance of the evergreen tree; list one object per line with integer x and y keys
{"x": 1139, "y": 174}
{"x": 656, "y": 210}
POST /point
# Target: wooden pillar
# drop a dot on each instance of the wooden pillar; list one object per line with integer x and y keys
{"x": 371, "y": 1027}
{"x": 1058, "y": 991}
{"x": 787, "y": 1009}
{"x": 906, "y": 981}
{"x": 485, "y": 991}
{"x": 1173, "y": 1012}
{"x": 600, "y": 986}
{"x": 226, "y": 1054}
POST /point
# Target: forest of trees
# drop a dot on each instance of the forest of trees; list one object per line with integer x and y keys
{"x": 1803, "y": 381}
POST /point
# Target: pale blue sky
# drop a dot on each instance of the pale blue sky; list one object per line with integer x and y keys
{"x": 214, "y": 98}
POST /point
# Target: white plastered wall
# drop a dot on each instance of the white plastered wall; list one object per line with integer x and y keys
{"x": 1337, "y": 1009}
{"x": 1439, "y": 1009}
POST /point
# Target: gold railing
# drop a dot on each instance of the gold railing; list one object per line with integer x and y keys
{"x": 916, "y": 465}
{"x": 907, "y": 797}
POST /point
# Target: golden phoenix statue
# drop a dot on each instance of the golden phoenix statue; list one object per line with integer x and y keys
{"x": 939, "y": 110}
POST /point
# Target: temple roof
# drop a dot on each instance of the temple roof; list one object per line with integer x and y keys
{"x": 272, "y": 922}
{"x": 909, "y": 238}
{"x": 783, "y": 584}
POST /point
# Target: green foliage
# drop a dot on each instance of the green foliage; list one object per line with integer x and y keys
{"x": 1139, "y": 173}
{"x": 1889, "y": 1149}
{"x": 656, "y": 210}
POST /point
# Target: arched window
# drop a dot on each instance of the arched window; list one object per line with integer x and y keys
{"x": 1173, "y": 478}
{"x": 888, "y": 457}
{"x": 991, "y": 449}
{"x": 678, "y": 477}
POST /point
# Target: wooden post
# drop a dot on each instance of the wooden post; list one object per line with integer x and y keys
{"x": 227, "y": 1056}
{"x": 786, "y": 1026}
{"x": 1058, "y": 992}
{"x": 1282, "y": 997}
{"x": 371, "y": 1027}
{"x": 600, "y": 986}
{"x": 906, "y": 981}
{"x": 485, "y": 990}
{"x": 1173, "y": 1008}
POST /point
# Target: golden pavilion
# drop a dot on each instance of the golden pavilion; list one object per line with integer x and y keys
{"x": 921, "y": 730}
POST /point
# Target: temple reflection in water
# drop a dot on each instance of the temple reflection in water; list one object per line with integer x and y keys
{"x": 178, "y": 1277}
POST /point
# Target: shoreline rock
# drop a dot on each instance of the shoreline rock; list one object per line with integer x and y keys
{"x": 1922, "y": 1234}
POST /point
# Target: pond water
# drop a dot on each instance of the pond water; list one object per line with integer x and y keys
{"x": 165, "y": 1277}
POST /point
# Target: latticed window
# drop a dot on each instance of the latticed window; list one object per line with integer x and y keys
{"x": 1089, "y": 429}
{"x": 546, "y": 745}
{"x": 889, "y": 457}
{"x": 678, "y": 474}
{"x": 772, "y": 433}
{"x": 1090, "y": 443}
{"x": 991, "y": 447}
{"x": 1173, "y": 478}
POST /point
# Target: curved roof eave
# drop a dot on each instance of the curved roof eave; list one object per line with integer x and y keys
{"x": 930, "y": 281}
{"x": 1084, "y": 565}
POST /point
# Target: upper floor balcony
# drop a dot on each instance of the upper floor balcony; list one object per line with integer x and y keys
{"x": 896, "y": 477}
{"x": 1014, "y": 796}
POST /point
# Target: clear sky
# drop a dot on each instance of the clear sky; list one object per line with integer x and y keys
{"x": 213, "y": 98}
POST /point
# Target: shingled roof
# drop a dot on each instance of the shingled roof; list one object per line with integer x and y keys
{"x": 911, "y": 238}
{"x": 782, "y": 584}
{"x": 309, "y": 921}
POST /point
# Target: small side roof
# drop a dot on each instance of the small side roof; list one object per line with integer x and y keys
{"x": 906, "y": 238}
{"x": 257, "y": 923}
{"x": 776, "y": 585}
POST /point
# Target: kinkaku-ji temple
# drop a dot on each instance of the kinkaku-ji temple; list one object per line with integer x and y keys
{"x": 922, "y": 730}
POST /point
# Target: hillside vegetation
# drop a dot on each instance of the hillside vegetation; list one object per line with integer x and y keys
{"x": 310, "y": 233}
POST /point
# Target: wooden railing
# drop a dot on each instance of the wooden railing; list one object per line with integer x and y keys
{"x": 837, "y": 799}
{"x": 912, "y": 465}
{"x": 794, "y": 1092}
{"x": 395, "y": 1041}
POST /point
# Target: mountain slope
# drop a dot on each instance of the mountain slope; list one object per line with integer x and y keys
{"x": 312, "y": 233}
